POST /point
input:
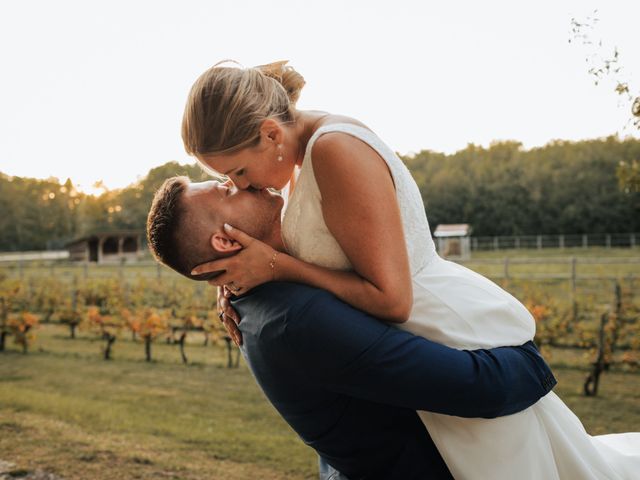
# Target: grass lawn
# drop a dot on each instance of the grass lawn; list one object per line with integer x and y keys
{"x": 65, "y": 410}
{"x": 530, "y": 264}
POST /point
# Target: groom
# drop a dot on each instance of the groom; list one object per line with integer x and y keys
{"x": 348, "y": 384}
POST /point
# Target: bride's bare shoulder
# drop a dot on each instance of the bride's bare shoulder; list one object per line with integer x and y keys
{"x": 336, "y": 143}
{"x": 337, "y": 118}
{"x": 334, "y": 149}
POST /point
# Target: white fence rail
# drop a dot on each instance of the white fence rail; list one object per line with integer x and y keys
{"x": 517, "y": 242}
{"x": 31, "y": 256}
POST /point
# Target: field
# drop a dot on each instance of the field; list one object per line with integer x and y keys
{"x": 63, "y": 409}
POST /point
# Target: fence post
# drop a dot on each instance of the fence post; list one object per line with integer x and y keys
{"x": 608, "y": 240}
{"x": 632, "y": 240}
{"x": 495, "y": 243}
{"x": 585, "y": 241}
{"x": 561, "y": 241}
{"x": 574, "y": 302}
{"x": 475, "y": 243}
{"x": 517, "y": 244}
{"x": 539, "y": 241}
{"x": 86, "y": 270}
{"x": 506, "y": 268}
{"x": 74, "y": 294}
{"x": 158, "y": 271}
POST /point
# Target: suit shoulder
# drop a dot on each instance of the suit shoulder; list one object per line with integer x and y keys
{"x": 279, "y": 299}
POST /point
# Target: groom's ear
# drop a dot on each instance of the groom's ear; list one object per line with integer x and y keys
{"x": 223, "y": 244}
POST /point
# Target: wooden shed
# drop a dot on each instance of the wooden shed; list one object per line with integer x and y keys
{"x": 453, "y": 240}
{"x": 108, "y": 247}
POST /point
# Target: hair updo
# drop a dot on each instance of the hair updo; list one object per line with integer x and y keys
{"x": 227, "y": 105}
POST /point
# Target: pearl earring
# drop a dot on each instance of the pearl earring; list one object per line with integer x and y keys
{"x": 280, "y": 152}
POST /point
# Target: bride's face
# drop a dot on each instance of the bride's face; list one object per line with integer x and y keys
{"x": 254, "y": 167}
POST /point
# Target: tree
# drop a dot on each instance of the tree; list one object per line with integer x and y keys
{"x": 153, "y": 323}
{"x": 22, "y": 325}
{"x": 605, "y": 65}
{"x": 9, "y": 293}
{"x": 107, "y": 326}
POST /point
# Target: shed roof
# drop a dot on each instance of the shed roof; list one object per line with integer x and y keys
{"x": 452, "y": 230}
{"x": 99, "y": 235}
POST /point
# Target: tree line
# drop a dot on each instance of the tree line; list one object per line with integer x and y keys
{"x": 562, "y": 187}
{"x": 46, "y": 214}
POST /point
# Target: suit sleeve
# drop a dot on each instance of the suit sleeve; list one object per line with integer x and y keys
{"x": 352, "y": 353}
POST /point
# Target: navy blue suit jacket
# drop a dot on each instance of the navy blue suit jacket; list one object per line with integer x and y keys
{"x": 349, "y": 384}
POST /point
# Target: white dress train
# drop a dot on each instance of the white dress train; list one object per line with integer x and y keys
{"x": 460, "y": 308}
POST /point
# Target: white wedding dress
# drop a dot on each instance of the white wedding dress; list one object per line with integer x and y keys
{"x": 457, "y": 307}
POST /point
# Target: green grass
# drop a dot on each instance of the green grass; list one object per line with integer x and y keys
{"x": 64, "y": 409}
{"x": 591, "y": 263}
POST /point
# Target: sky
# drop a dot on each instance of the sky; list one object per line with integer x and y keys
{"x": 94, "y": 90}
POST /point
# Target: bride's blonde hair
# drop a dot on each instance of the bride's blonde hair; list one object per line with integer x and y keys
{"x": 227, "y": 105}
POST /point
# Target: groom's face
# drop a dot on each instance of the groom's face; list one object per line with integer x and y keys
{"x": 253, "y": 211}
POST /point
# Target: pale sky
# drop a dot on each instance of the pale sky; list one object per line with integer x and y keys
{"x": 94, "y": 90}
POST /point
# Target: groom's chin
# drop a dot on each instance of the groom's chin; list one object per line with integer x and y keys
{"x": 280, "y": 202}
{"x": 277, "y": 203}
{"x": 278, "y": 211}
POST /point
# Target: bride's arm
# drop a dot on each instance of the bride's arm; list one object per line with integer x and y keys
{"x": 361, "y": 211}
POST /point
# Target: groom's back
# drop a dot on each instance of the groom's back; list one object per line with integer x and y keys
{"x": 362, "y": 439}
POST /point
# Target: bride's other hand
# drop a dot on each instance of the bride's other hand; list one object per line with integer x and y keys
{"x": 250, "y": 267}
{"x": 230, "y": 319}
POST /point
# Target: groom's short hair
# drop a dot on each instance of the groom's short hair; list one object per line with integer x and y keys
{"x": 174, "y": 236}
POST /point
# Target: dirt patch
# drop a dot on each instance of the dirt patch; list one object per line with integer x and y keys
{"x": 9, "y": 471}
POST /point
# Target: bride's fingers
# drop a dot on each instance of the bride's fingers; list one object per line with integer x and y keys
{"x": 221, "y": 280}
{"x": 209, "y": 267}
{"x": 238, "y": 235}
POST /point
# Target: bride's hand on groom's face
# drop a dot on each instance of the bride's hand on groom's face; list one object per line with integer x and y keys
{"x": 249, "y": 268}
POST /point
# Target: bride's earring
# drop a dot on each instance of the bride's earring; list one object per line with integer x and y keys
{"x": 280, "y": 152}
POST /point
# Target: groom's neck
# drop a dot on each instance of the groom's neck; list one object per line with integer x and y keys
{"x": 274, "y": 238}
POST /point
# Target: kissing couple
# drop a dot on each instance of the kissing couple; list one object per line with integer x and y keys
{"x": 388, "y": 360}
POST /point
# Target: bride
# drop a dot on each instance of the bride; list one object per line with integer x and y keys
{"x": 355, "y": 225}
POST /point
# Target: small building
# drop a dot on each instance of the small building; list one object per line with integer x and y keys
{"x": 108, "y": 247}
{"x": 453, "y": 241}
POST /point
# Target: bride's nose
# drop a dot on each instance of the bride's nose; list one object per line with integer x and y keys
{"x": 240, "y": 182}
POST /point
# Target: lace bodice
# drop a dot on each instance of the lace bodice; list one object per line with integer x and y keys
{"x": 305, "y": 232}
